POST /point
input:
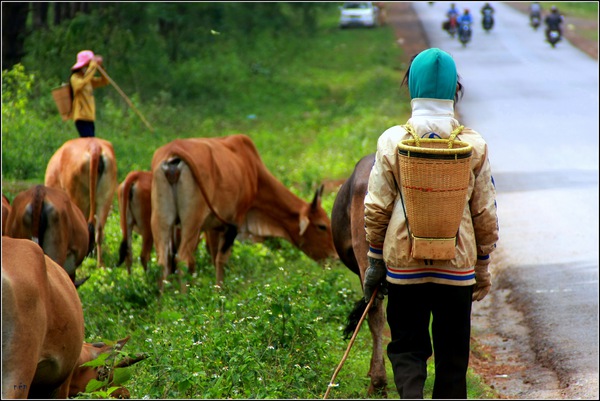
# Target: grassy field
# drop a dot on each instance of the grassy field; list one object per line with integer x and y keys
{"x": 274, "y": 330}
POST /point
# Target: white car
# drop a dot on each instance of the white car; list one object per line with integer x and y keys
{"x": 359, "y": 13}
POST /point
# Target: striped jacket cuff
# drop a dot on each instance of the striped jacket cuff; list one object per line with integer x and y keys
{"x": 375, "y": 251}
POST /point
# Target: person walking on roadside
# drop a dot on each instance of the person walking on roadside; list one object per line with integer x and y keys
{"x": 83, "y": 81}
{"x": 424, "y": 290}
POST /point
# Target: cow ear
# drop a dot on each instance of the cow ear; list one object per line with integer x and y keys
{"x": 317, "y": 199}
{"x": 304, "y": 221}
{"x": 121, "y": 343}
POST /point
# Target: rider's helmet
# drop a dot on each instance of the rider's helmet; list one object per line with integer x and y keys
{"x": 553, "y": 9}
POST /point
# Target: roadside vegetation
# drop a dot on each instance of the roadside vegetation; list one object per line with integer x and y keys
{"x": 313, "y": 98}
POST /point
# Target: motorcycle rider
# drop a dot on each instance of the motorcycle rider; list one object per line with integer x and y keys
{"x": 452, "y": 12}
{"x": 487, "y": 8}
{"x": 465, "y": 18}
{"x": 488, "y": 11}
{"x": 535, "y": 10}
{"x": 452, "y": 15}
{"x": 553, "y": 21}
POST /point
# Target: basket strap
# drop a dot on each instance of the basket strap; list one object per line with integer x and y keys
{"x": 453, "y": 135}
{"x": 409, "y": 128}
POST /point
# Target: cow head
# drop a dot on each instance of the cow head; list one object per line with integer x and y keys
{"x": 82, "y": 375}
{"x": 316, "y": 239}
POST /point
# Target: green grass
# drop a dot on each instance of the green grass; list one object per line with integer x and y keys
{"x": 313, "y": 108}
{"x": 578, "y": 9}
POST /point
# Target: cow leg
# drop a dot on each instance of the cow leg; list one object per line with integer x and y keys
{"x": 105, "y": 194}
{"x": 146, "y": 249}
{"x": 377, "y": 368}
{"x": 164, "y": 215}
{"x": 219, "y": 243}
{"x": 128, "y": 241}
{"x": 192, "y": 214}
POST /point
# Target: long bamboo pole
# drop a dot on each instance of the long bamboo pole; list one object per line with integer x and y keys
{"x": 337, "y": 370}
{"x": 113, "y": 83}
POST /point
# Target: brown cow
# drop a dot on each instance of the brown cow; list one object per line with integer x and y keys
{"x": 86, "y": 169}
{"x": 49, "y": 218}
{"x": 42, "y": 323}
{"x": 43, "y": 328}
{"x": 134, "y": 213}
{"x": 220, "y": 186}
{"x": 5, "y": 211}
{"x": 349, "y": 237}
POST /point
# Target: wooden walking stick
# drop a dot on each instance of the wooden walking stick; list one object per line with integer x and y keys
{"x": 124, "y": 97}
{"x": 337, "y": 370}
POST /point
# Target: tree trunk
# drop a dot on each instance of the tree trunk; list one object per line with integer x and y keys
{"x": 14, "y": 18}
{"x": 40, "y": 15}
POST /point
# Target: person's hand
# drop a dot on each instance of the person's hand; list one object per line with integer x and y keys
{"x": 483, "y": 281}
{"x": 375, "y": 278}
{"x": 98, "y": 59}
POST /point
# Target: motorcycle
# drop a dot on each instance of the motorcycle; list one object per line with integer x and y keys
{"x": 464, "y": 33}
{"x": 553, "y": 36}
{"x": 534, "y": 21}
{"x": 488, "y": 20}
{"x": 450, "y": 26}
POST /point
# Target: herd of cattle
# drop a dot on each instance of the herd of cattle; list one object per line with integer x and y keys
{"x": 217, "y": 189}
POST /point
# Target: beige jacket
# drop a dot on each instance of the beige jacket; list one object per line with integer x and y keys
{"x": 385, "y": 222}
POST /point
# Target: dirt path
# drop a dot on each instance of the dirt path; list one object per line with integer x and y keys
{"x": 501, "y": 355}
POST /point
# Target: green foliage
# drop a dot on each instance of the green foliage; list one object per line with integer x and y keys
{"x": 580, "y": 9}
{"x": 16, "y": 89}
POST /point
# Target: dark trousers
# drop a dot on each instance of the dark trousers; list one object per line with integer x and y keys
{"x": 85, "y": 128}
{"x": 409, "y": 310}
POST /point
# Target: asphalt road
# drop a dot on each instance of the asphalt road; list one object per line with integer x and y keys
{"x": 537, "y": 107}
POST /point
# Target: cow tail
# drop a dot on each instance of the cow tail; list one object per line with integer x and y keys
{"x": 39, "y": 218}
{"x": 123, "y": 208}
{"x": 96, "y": 170}
{"x": 354, "y": 317}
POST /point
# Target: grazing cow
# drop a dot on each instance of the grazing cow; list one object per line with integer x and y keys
{"x": 5, "y": 211}
{"x": 134, "y": 212}
{"x": 86, "y": 169}
{"x": 43, "y": 327}
{"x": 349, "y": 237}
{"x": 48, "y": 217}
{"x": 84, "y": 374}
{"x": 220, "y": 186}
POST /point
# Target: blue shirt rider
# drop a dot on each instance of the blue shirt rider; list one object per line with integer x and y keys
{"x": 465, "y": 18}
{"x": 452, "y": 12}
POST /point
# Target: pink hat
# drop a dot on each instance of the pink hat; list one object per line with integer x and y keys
{"x": 83, "y": 58}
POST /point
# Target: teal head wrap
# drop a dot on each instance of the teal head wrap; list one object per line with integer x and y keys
{"x": 432, "y": 75}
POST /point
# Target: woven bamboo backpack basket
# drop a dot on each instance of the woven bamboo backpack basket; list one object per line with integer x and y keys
{"x": 63, "y": 100}
{"x": 435, "y": 177}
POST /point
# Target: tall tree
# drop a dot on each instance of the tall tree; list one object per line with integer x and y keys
{"x": 14, "y": 31}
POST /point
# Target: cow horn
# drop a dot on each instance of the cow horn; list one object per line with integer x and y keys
{"x": 121, "y": 343}
{"x": 128, "y": 361}
{"x": 81, "y": 281}
{"x": 317, "y": 199}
